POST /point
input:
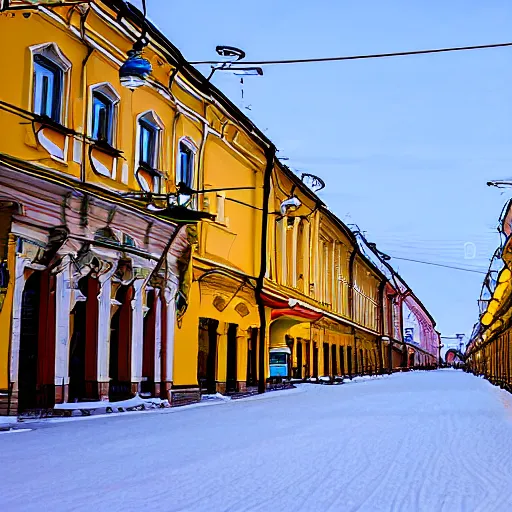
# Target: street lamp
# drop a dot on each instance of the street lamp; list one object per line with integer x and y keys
{"x": 136, "y": 69}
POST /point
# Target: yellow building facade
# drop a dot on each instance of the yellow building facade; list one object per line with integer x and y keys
{"x": 489, "y": 352}
{"x": 150, "y": 241}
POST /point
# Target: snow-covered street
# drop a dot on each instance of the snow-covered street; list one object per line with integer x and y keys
{"x": 422, "y": 441}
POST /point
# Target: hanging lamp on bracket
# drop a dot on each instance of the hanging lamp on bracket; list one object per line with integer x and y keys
{"x": 136, "y": 69}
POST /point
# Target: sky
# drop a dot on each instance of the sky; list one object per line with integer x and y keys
{"x": 405, "y": 145}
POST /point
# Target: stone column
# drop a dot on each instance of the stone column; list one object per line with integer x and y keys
{"x": 104, "y": 299}
{"x": 222, "y": 357}
{"x": 294, "y": 254}
{"x": 64, "y": 293}
{"x": 242, "y": 345}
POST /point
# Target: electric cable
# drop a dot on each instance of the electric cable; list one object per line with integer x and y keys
{"x": 440, "y": 265}
{"x": 359, "y": 57}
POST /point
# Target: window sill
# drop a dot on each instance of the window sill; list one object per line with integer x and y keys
{"x": 48, "y": 122}
{"x": 148, "y": 168}
{"x": 106, "y": 148}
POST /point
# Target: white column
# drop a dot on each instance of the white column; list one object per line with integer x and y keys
{"x": 284, "y": 257}
{"x": 158, "y": 336}
{"x": 295, "y": 250}
{"x": 63, "y": 310}
{"x": 169, "y": 296}
{"x": 104, "y": 309}
{"x": 137, "y": 330}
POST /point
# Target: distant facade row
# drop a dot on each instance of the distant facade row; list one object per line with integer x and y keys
{"x": 150, "y": 241}
{"x": 489, "y": 352}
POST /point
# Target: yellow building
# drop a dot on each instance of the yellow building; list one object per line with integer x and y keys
{"x": 489, "y": 352}
{"x": 322, "y": 293}
{"x": 150, "y": 241}
{"x": 96, "y": 252}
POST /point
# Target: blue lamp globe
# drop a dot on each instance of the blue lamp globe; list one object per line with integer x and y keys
{"x": 135, "y": 70}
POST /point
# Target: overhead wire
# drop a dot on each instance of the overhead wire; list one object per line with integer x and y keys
{"x": 360, "y": 57}
{"x": 453, "y": 267}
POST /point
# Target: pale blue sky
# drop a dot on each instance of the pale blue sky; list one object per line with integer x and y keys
{"x": 405, "y": 145}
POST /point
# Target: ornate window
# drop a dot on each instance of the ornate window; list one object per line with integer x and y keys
{"x": 49, "y": 72}
{"x": 149, "y": 142}
{"x": 104, "y": 114}
{"x": 185, "y": 170}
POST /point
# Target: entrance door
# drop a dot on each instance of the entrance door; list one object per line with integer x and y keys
{"x": 83, "y": 351}
{"x": 27, "y": 373}
{"x": 252, "y": 357}
{"x": 231, "y": 359}
{"x": 121, "y": 346}
{"x": 334, "y": 363}
{"x": 36, "y": 373}
{"x": 307, "y": 373}
{"x": 361, "y": 361}
{"x": 342, "y": 361}
{"x": 149, "y": 345}
{"x": 326, "y": 359}
{"x": 299, "y": 359}
{"x": 315, "y": 360}
{"x": 207, "y": 355}
{"x": 349, "y": 361}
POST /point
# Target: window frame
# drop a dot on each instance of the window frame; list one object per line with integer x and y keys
{"x": 49, "y": 56}
{"x": 191, "y": 147}
{"x": 149, "y": 119}
{"x": 106, "y": 93}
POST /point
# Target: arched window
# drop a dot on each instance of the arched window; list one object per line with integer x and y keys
{"x": 103, "y": 119}
{"x": 185, "y": 170}
{"x": 50, "y": 67}
{"x": 149, "y": 152}
{"x": 186, "y": 161}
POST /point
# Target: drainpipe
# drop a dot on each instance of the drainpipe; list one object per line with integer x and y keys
{"x": 270, "y": 154}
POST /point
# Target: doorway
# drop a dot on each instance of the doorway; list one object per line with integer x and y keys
{"x": 349, "y": 361}
{"x": 334, "y": 362}
{"x": 342, "y": 361}
{"x": 231, "y": 366}
{"x": 326, "y": 358}
{"x": 315, "y": 361}
{"x": 299, "y": 360}
{"x": 307, "y": 373}
{"x": 83, "y": 350}
{"x": 36, "y": 372}
{"x": 149, "y": 344}
{"x": 121, "y": 346}
{"x": 252, "y": 357}
{"x": 27, "y": 373}
{"x": 207, "y": 355}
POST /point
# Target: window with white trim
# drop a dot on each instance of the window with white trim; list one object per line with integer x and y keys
{"x": 104, "y": 113}
{"x": 185, "y": 170}
{"x": 49, "y": 71}
{"x": 148, "y": 154}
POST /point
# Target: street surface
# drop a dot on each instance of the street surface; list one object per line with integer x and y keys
{"x": 421, "y": 441}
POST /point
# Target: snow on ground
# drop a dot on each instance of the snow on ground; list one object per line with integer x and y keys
{"x": 421, "y": 441}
